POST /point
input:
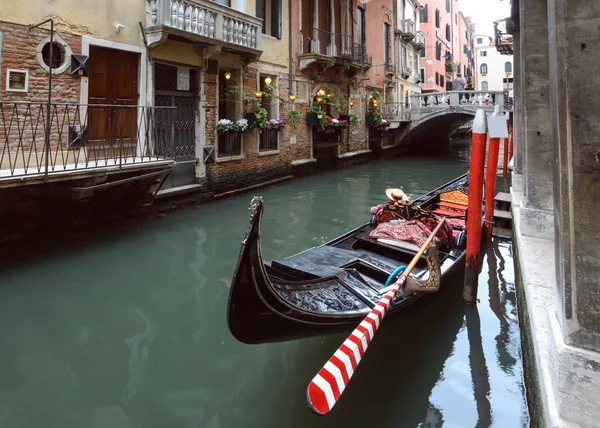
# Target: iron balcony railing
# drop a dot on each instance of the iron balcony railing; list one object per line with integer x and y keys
{"x": 396, "y": 111}
{"x": 390, "y": 68}
{"x": 335, "y": 45}
{"x": 81, "y": 137}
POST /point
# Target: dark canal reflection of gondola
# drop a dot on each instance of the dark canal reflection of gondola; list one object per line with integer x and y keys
{"x": 401, "y": 367}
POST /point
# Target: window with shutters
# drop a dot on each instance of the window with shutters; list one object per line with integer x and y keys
{"x": 388, "y": 43}
{"x": 422, "y": 75}
{"x": 442, "y": 80}
{"x": 483, "y": 53}
{"x": 437, "y": 18}
{"x": 224, "y": 2}
{"x": 270, "y": 12}
{"x": 484, "y": 86}
{"x": 484, "y": 69}
{"x": 448, "y": 32}
{"x": 448, "y": 6}
{"x": 438, "y": 51}
{"x": 423, "y": 53}
{"x": 425, "y": 14}
{"x": 508, "y": 67}
{"x": 437, "y": 78}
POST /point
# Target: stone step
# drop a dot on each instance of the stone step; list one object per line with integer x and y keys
{"x": 502, "y": 232}
{"x": 504, "y": 215}
{"x": 502, "y": 197}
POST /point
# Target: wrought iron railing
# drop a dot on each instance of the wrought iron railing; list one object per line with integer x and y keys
{"x": 81, "y": 136}
{"x": 399, "y": 111}
{"x": 330, "y": 136}
{"x": 230, "y": 144}
{"x": 504, "y": 40}
{"x": 390, "y": 68}
{"x": 335, "y": 45}
{"x": 269, "y": 140}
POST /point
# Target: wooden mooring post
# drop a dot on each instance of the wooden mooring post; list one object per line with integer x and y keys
{"x": 478, "y": 144}
{"x": 490, "y": 179}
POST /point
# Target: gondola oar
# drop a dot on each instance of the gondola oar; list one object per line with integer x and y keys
{"x": 329, "y": 384}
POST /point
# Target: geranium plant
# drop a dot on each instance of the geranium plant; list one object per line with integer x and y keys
{"x": 335, "y": 123}
{"x": 274, "y": 125}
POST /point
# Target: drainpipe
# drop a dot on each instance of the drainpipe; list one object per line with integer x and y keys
{"x": 290, "y": 90}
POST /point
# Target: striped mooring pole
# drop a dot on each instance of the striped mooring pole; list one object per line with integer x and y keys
{"x": 478, "y": 143}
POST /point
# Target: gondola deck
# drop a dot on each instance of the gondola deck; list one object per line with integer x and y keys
{"x": 329, "y": 288}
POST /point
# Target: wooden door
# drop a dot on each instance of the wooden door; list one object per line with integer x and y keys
{"x": 113, "y": 87}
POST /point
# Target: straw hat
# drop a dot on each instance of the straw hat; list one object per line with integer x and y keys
{"x": 396, "y": 194}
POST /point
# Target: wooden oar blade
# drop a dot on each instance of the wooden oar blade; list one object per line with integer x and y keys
{"x": 328, "y": 385}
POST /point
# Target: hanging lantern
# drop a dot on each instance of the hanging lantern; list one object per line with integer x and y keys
{"x": 259, "y": 94}
{"x": 227, "y": 75}
{"x": 292, "y": 98}
{"x": 268, "y": 80}
{"x": 319, "y": 99}
{"x": 351, "y": 103}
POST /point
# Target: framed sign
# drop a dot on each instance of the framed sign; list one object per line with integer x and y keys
{"x": 183, "y": 79}
{"x": 17, "y": 80}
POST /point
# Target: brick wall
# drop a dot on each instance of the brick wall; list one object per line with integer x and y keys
{"x": 255, "y": 167}
{"x": 22, "y": 129}
{"x": 19, "y": 52}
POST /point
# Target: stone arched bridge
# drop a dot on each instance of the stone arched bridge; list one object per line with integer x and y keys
{"x": 430, "y": 119}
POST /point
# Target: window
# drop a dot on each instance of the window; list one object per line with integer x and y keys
{"x": 448, "y": 37}
{"x": 229, "y": 143}
{"x": 403, "y": 56}
{"x": 223, "y": 2}
{"x": 484, "y": 85}
{"x": 442, "y": 80}
{"x": 425, "y": 14}
{"x": 437, "y": 18}
{"x": 361, "y": 26}
{"x": 422, "y": 75}
{"x": 484, "y": 69}
{"x": 437, "y": 78}
{"x": 479, "y": 41}
{"x": 61, "y": 55}
{"x": 423, "y": 54}
{"x": 448, "y": 6}
{"x": 388, "y": 43}
{"x": 508, "y": 67}
{"x": 483, "y": 53}
{"x": 270, "y": 12}
{"x": 438, "y": 51}
{"x": 269, "y": 139}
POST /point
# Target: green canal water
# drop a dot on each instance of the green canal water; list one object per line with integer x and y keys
{"x": 127, "y": 328}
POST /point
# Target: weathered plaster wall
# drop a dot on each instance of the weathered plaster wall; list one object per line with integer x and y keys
{"x": 82, "y": 17}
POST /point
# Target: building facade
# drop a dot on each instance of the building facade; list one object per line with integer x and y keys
{"x": 448, "y": 35}
{"x": 409, "y": 43}
{"x": 493, "y": 69}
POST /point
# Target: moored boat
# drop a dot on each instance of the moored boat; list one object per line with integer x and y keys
{"x": 331, "y": 288}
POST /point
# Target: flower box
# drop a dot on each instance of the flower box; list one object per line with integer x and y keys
{"x": 312, "y": 119}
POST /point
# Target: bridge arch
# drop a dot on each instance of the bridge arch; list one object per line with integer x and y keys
{"x": 435, "y": 130}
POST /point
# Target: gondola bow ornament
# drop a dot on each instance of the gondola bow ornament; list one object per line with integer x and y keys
{"x": 330, "y": 382}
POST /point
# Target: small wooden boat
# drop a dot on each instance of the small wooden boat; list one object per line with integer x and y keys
{"x": 331, "y": 288}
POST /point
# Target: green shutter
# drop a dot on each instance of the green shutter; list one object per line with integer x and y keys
{"x": 276, "y": 18}
{"x": 259, "y": 9}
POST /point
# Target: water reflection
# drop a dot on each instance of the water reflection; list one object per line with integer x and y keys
{"x": 127, "y": 329}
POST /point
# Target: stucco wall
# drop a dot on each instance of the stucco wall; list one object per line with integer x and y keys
{"x": 495, "y": 64}
{"x": 95, "y": 18}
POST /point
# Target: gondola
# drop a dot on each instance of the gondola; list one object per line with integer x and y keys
{"x": 332, "y": 287}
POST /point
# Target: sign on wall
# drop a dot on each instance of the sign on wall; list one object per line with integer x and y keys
{"x": 17, "y": 80}
{"x": 183, "y": 79}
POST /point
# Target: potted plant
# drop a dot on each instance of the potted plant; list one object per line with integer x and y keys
{"x": 293, "y": 119}
{"x": 315, "y": 116}
{"x": 274, "y": 125}
{"x": 335, "y": 123}
{"x": 226, "y": 125}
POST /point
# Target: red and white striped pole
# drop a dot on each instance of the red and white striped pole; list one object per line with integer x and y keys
{"x": 490, "y": 181}
{"x": 506, "y": 158}
{"x": 478, "y": 142}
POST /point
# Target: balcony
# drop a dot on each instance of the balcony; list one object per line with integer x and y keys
{"x": 405, "y": 72}
{"x": 390, "y": 68}
{"x": 504, "y": 40}
{"x": 218, "y": 28}
{"x": 331, "y": 49}
{"x": 407, "y": 29}
{"x": 419, "y": 40}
